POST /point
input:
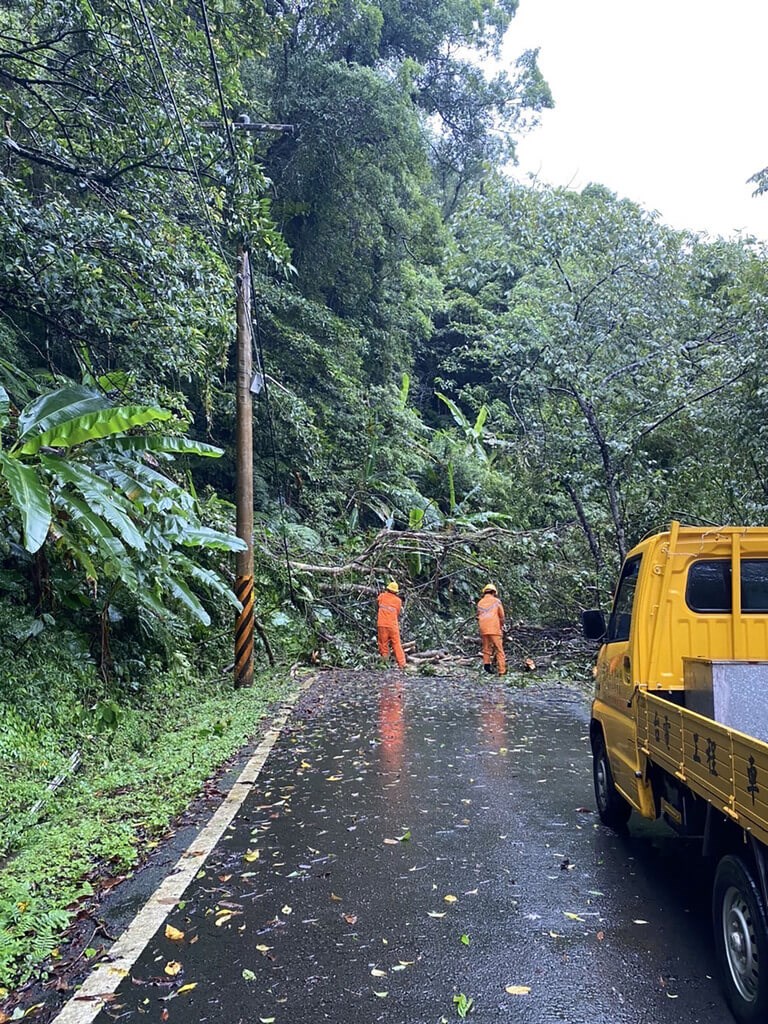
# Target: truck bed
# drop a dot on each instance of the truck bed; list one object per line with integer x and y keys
{"x": 727, "y": 768}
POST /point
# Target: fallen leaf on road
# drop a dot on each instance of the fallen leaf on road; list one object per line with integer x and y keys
{"x": 572, "y": 917}
{"x": 251, "y": 856}
{"x": 378, "y": 974}
{"x": 381, "y": 995}
{"x": 518, "y": 990}
{"x": 174, "y": 934}
{"x": 335, "y": 897}
{"x": 263, "y": 949}
{"x": 286, "y": 910}
{"x": 350, "y": 918}
{"x": 435, "y": 913}
{"x": 450, "y": 899}
{"x": 172, "y": 968}
{"x": 187, "y": 988}
{"x": 248, "y": 975}
{"x": 391, "y": 842}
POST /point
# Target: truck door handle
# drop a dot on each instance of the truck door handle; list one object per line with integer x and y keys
{"x": 627, "y": 662}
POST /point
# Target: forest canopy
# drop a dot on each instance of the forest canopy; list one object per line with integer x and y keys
{"x": 448, "y": 351}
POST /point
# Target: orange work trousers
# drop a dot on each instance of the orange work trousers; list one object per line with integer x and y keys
{"x": 492, "y": 642}
{"x": 391, "y": 635}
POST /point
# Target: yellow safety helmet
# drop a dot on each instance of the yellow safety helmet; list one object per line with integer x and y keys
{"x": 393, "y": 587}
{"x": 489, "y": 588}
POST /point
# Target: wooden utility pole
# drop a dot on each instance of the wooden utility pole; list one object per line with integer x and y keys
{"x": 244, "y": 487}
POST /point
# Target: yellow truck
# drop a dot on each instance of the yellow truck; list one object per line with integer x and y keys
{"x": 679, "y": 726}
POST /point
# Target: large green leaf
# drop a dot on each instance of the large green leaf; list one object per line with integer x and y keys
{"x": 170, "y": 444}
{"x": 92, "y": 426}
{"x": 209, "y": 579}
{"x": 59, "y": 406}
{"x": 194, "y": 536}
{"x": 155, "y": 481}
{"x": 4, "y": 407}
{"x": 31, "y": 499}
{"x": 191, "y": 602}
{"x": 93, "y": 527}
{"x": 100, "y": 496}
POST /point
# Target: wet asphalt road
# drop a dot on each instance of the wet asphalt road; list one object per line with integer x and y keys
{"x": 414, "y": 839}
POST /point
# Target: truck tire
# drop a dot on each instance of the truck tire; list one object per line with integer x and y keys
{"x": 741, "y": 940}
{"x": 613, "y": 809}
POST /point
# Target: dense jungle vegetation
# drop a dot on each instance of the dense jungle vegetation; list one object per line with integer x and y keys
{"x": 467, "y": 379}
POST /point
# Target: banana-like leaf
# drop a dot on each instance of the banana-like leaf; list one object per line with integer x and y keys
{"x": 92, "y": 526}
{"x": 100, "y": 496}
{"x": 191, "y": 602}
{"x": 168, "y": 444}
{"x": 150, "y": 600}
{"x": 59, "y": 406}
{"x": 458, "y": 416}
{"x": 152, "y": 480}
{"x": 128, "y": 485}
{"x": 209, "y": 579}
{"x": 115, "y": 420}
{"x": 5, "y": 404}
{"x": 194, "y": 536}
{"x": 31, "y": 499}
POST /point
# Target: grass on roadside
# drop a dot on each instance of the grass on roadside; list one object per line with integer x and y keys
{"x": 143, "y": 761}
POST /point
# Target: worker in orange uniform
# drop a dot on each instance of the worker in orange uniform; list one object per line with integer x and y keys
{"x": 387, "y": 627}
{"x": 490, "y": 619}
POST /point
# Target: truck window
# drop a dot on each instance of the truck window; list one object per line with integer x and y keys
{"x": 709, "y": 585}
{"x": 621, "y": 614}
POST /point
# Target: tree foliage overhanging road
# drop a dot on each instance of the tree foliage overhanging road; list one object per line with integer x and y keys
{"x": 467, "y": 378}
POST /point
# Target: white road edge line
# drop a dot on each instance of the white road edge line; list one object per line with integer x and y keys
{"x": 90, "y": 999}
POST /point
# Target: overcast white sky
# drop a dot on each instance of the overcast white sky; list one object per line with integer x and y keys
{"x": 663, "y": 101}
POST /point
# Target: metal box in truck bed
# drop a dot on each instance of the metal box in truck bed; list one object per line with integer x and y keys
{"x": 733, "y": 693}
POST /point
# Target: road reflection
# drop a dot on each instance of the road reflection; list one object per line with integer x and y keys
{"x": 392, "y": 726}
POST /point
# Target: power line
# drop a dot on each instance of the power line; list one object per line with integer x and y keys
{"x": 217, "y": 76}
{"x": 182, "y": 128}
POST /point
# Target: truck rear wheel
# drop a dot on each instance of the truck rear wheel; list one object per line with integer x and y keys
{"x": 613, "y": 809}
{"x": 741, "y": 940}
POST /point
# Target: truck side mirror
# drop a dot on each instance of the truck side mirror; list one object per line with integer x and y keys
{"x": 593, "y": 625}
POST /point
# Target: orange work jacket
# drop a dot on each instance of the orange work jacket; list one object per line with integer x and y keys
{"x": 490, "y": 615}
{"x": 390, "y": 606}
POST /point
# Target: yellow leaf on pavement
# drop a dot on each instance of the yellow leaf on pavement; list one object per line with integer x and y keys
{"x": 572, "y": 917}
{"x": 518, "y": 990}
{"x": 172, "y": 968}
{"x": 450, "y": 899}
{"x": 173, "y": 933}
{"x": 187, "y": 988}
{"x": 251, "y": 856}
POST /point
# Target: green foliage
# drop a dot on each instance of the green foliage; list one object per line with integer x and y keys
{"x": 145, "y": 751}
{"x": 105, "y": 510}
